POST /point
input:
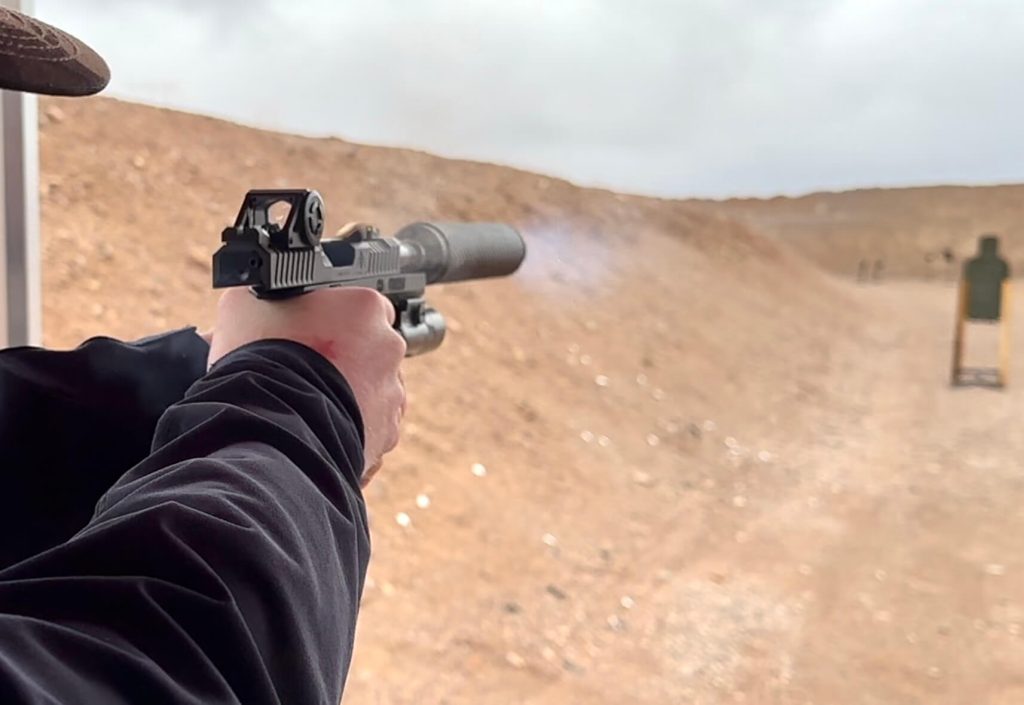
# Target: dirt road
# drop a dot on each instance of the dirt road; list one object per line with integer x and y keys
{"x": 889, "y": 568}
{"x": 873, "y": 557}
{"x": 909, "y": 528}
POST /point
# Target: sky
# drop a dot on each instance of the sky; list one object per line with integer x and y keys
{"x": 677, "y": 98}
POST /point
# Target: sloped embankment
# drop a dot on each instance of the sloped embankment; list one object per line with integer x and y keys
{"x": 645, "y": 346}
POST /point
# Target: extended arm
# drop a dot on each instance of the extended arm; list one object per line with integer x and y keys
{"x": 226, "y": 567}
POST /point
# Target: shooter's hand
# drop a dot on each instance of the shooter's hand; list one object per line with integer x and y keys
{"x": 351, "y": 327}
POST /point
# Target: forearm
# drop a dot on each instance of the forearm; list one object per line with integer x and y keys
{"x": 234, "y": 554}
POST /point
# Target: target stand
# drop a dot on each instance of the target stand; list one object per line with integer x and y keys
{"x": 984, "y": 296}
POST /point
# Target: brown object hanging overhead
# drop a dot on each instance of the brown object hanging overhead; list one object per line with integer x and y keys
{"x": 38, "y": 58}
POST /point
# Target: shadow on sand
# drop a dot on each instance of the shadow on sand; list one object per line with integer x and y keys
{"x": 984, "y": 377}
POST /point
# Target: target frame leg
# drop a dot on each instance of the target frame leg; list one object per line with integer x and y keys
{"x": 1004, "y": 335}
{"x": 958, "y": 333}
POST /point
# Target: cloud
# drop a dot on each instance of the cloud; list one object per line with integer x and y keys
{"x": 707, "y": 97}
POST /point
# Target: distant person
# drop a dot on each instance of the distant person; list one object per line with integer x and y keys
{"x": 862, "y": 270}
{"x": 178, "y": 535}
{"x": 947, "y": 255}
{"x": 878, "y": 270}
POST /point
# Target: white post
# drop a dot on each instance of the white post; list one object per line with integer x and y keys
{"x": 20, "y": 268}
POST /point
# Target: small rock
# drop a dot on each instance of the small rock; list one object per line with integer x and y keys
{"x": 710, "y": 426}
{"x": 585, "y": 360}
{"x": 387, "y": 589}
{"x": 615, "y": 623}
{"x": 515, "y": 660}
{"x": 139, "y": 161}
{"x": 804, "y": 569}
{"x": 652, "y": 440}
{"x": 549, "y": 540}
{"x": 198, "y": 257}
{"x": 627, "y": 602}
{"x": 695, "y": 430}
{"x": 519, "y": 355}
{"x": 641, "y": 379}
{"x": 422, "y": 501}
{"x": 934, "y": 672}
{"x": 1013, "y": 629}
{"x": 97, "y": 309}
{"x": 571, "y": 666}
{"x": 587, "y": 436}
{"x": 764, "y": 456}
{"x": 549, "y": 654}
{"x": 658, "y": 394}
{"x": 604, "y": 441}
{"x": 601, "y": 381}
{"x": 478, "y": 470}
{"x": 739, "y": 501}
{"x": 512, "y": 608}
{"x": 55, "y": 114}
{"x": 105, "y": 250}
{"x": 555, "y": 592}
{"x": 880, "y": 575}
{"x": 642, "y": 478}
{"x": 590, "y": 325}
{"x": 995, "y": 569}
{"x": 403, "y": 520}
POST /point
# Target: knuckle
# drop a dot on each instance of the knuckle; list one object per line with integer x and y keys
{"x": 372, "y": 302}
{"x": 394, "y": 436}
{"x": 386, "y": 306}
{"x": 398, "y": 344}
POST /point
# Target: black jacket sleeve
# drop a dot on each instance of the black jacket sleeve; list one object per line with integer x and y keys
{"x": 226, "y": 567}
{"x": 73, "y": 421}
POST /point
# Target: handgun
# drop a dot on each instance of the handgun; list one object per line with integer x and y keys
{"x": 276, "y": 249}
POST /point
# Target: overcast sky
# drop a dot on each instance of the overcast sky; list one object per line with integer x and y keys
{"x": 665, "y": 97}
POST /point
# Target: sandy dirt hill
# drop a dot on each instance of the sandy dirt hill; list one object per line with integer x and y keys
{"x": 713, "y": 473}
{"x": 906, "y": 229}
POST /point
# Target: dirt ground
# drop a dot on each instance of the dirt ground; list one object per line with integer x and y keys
{"x": 875, "y": 558}
{"x": 670, "y": 461}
